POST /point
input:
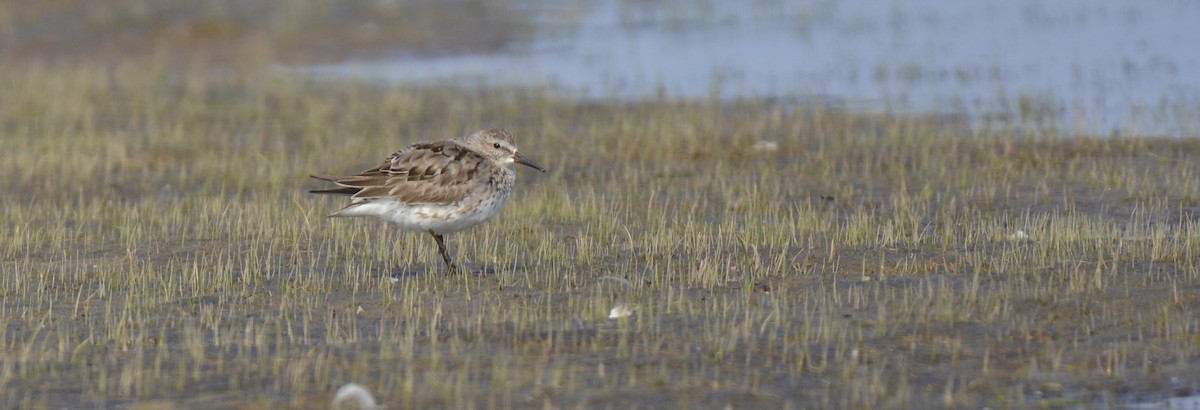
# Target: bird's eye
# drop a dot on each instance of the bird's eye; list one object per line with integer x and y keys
{"x": 497, "y": 145}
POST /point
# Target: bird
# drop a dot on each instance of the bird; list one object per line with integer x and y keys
{"x": 439, "y": 187}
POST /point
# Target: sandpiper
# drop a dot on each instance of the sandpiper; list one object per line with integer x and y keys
{"x": 439, "y": 187}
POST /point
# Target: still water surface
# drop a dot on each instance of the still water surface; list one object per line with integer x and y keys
{"x": 1096, "y": 66}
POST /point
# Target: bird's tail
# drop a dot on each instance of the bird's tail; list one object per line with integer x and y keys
{"x": 335, "y": 191}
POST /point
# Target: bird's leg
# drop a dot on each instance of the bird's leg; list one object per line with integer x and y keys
{"x": 442, "y": 249}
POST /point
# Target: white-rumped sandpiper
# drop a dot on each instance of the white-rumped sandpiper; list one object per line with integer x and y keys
{"x": 439, "y": 187}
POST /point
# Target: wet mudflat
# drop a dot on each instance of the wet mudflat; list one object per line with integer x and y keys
{"x": 158, "y": 248}
{"x": 763, "y": 253}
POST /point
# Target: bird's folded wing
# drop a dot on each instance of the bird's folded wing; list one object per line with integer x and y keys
{"x": 436, "y": 174}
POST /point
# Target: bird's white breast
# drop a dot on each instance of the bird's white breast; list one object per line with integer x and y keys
{"x": 441, "y": 219}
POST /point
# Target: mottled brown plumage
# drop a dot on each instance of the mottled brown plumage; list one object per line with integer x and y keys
{"x": 437, "y": 173}
{"x": 439, "y": 187}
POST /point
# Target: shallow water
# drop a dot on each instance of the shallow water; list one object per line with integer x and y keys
{"x": 1096, "y": 66}
{"x": 1174, "y": 403}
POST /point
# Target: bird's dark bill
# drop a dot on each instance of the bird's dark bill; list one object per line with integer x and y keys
{"x": 527, "y": 162}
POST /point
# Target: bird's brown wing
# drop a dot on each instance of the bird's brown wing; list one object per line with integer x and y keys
{"x": 436, "y": 173}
